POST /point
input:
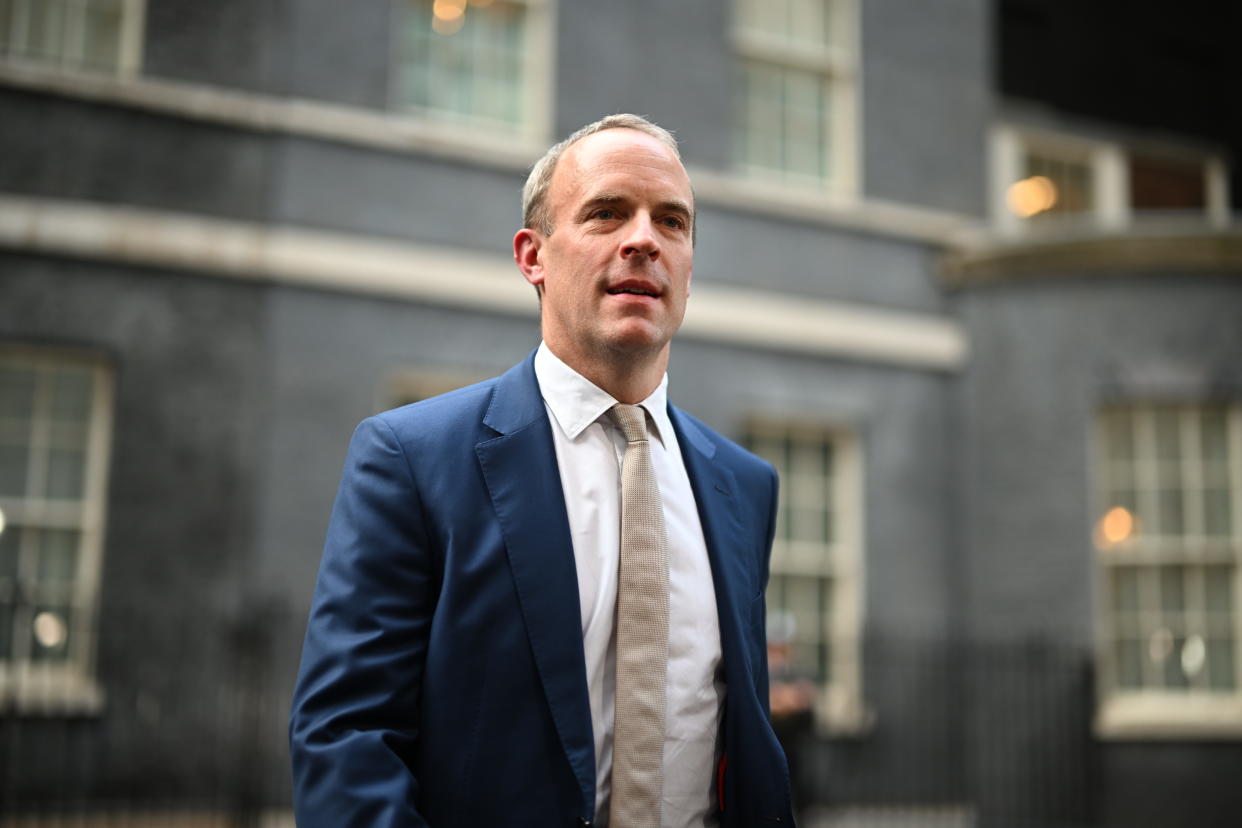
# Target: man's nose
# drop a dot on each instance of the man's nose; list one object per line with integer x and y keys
{"x": 640, "y": 239}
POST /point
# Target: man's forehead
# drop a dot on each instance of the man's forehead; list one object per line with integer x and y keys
{"x": 627, "y": 151}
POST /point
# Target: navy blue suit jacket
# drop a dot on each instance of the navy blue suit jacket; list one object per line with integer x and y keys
{"x": 443, "y": 680}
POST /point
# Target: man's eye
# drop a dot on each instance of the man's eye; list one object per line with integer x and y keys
{"x": 605, "y": 213}
{"x": 675, "y": 222}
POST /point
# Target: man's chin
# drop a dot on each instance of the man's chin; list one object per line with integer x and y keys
{"x": 638, "y": 338}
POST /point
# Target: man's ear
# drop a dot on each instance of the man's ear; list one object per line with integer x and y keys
{"x": 526, "y": 246}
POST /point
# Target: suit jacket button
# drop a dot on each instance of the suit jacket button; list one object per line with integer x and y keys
{"x": 584, "y": 822}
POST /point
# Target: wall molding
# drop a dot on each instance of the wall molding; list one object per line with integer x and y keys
{"x": 454, "y": 277}
{"x": 1173, "y": 249}
{"x": 401, "y": 133}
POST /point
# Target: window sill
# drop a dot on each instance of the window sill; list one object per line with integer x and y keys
{"x": 843, "y": 715}
{"x": 1169, "y": 717}
{"x": 841, "y": 207}
{"x": 378, "y": 129}
{"x": 48, "y": 694}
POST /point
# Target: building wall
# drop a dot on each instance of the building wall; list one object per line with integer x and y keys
{"x": 1048, "y": 351}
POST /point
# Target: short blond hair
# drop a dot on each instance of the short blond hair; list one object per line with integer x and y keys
{"x": 535, "y": 215}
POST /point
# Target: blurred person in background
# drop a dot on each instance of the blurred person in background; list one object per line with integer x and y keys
{"x": 541, "y": 597}
{"x": 792, "y": 702}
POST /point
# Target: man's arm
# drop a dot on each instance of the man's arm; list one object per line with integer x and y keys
{"x": 354, "y": 720}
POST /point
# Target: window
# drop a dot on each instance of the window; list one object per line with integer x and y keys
{"x": 814, "y": 593}
{"x": 1170, "y": 549}
{"x": 99, "y": 35}
{"x": 1046, "y": 179}
{"x": 55, "y": 424}
{"x": 794, "y": 108}
{"x": 476, "y": 65}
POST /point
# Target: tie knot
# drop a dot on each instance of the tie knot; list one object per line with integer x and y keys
{"x": 632, "y": 421}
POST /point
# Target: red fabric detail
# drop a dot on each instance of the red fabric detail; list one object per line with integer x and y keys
{"x": 720, "y": 774}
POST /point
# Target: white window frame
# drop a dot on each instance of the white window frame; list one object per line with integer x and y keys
{"x": 838, "y": 63}
{"x": 68, "y": 686}
{"x": 1108, "y": 160}
{"x": 1151, "y": 712}
{"x": 537, "y": 90}
{"x": 129, "y": 49}
{"x": 839, "y": 705}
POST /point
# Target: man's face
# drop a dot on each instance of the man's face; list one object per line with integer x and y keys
{"x": 615, "y": 271}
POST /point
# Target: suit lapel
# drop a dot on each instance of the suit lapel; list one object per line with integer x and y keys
{"x": 524, "y": 482}
{"x": 715, "y": 493}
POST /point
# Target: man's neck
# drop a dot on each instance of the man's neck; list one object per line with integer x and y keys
{"x": 630, "y": 380}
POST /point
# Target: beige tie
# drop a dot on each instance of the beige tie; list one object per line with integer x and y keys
{"x": 642, "y": 634}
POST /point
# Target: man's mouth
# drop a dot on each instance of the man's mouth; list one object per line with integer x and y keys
{"x": 634, "y": 287}
{"x": 634, "y": 291}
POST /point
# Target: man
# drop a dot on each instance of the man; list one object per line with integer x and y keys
{"x": 541, "y": 597}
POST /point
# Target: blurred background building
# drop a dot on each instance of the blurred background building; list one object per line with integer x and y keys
{"x": 967, "y": 273}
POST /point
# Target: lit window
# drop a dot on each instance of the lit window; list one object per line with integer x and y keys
{"x": 55, "y": 423}
{"x": 794, "y": 108}
{"x": 1169, "y": 545}
{"x": 1066, "y": 183}
{"x": 1048, "y": 178}
{"x": 813, "y": 593}
{"x": 475, "y": 63}
{"x": 97, "y": 35}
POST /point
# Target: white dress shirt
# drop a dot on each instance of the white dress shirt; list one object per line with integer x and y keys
{"x": 589, "y": 449}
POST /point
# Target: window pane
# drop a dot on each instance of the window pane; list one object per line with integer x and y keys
{"x": 14, "y": 461}
{"x": 1216, "y": 514}
{"x": 17, "y": 389}
{"x": 45, "y": 28}
{"x": 469, "y": 67}
{"x": 1126, "y": 590}
{"x": 1172, "y": 590}
{"x": 1161, "y": 184}
{"x": 1169, "y": 508}
{"x": 71, "y": 395}
{"x": 10, "y": 541}
{"x": 1130, "y": 663}
{"x": 1070, "y": 180}
{"x": 1174, "y": 677}
{"x": 103, "y": 33}
{"x": 1218, "y": 585}
{"x": 58, "y": 557}
{"x": 65, "y": 474}
{"x": 1220, "y": 664}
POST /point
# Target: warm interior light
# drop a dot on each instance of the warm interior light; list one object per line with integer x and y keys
{"x": 443, "y": 26}
{"x": 1116, "y": 525}
{"x": 50, "y": 630}
{"x": 1031, "y": 196}
{"x": 448, "y": 9}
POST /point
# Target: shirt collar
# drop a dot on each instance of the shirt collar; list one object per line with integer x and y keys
{"x": 576, "y": 402}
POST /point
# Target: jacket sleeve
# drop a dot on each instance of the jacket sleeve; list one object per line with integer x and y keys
{"x": 354, "y": 720}
{"x": 761, "y": 669}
